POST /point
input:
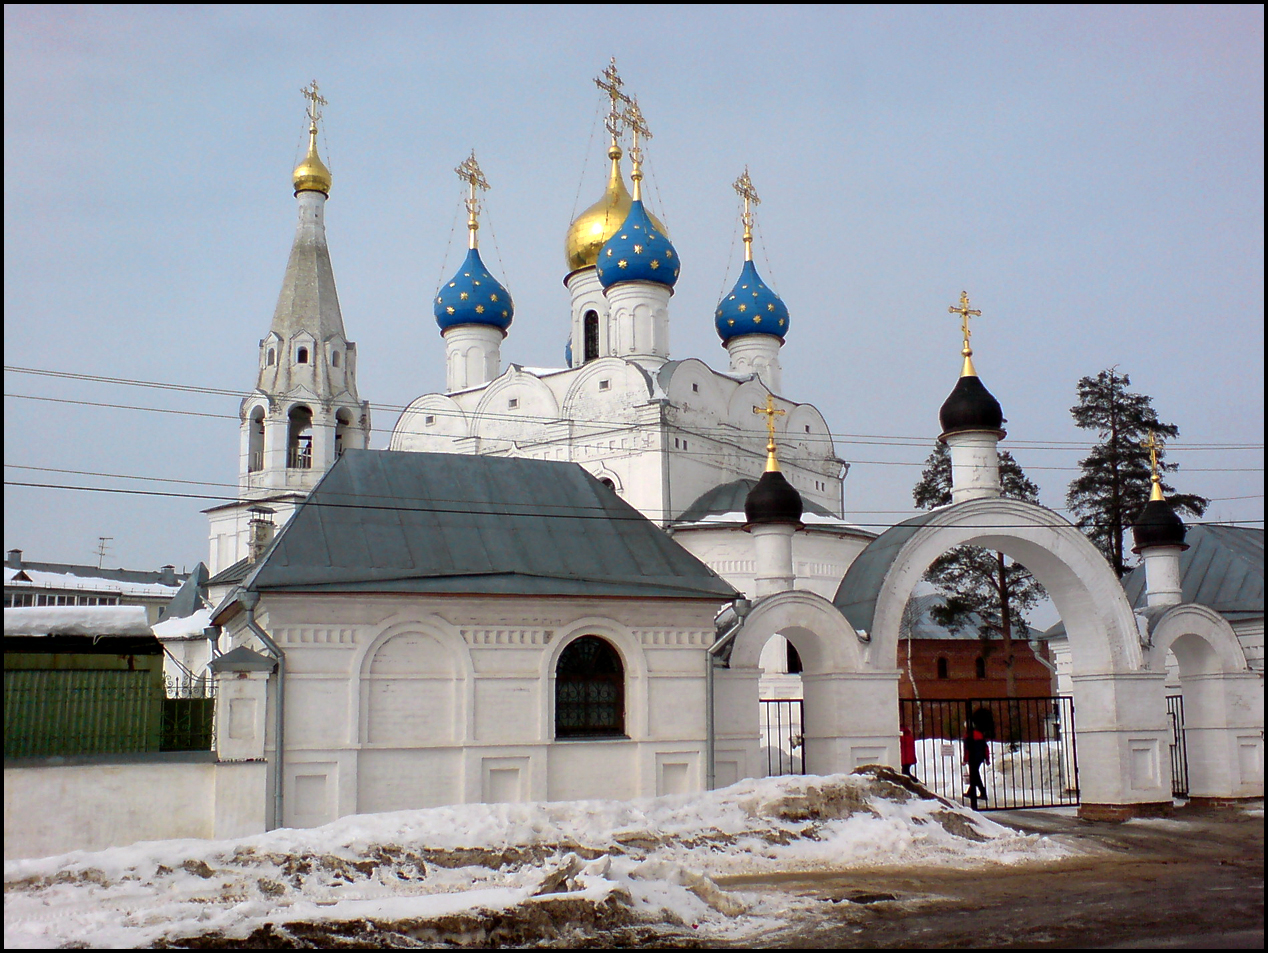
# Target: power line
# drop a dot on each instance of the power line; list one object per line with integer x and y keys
{"x": 876, "y": 439}
{"x": 502, "y": 509}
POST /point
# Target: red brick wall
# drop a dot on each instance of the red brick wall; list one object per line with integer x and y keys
{"x": 1033, "y": 680}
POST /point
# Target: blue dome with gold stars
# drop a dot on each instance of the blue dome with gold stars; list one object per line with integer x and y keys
{"x": 639, "y": 251}
{"x": 473, "y": 296}
{"x": 751, "y": 308}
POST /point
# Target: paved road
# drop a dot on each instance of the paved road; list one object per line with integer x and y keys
{"x": 1195, "y": 882}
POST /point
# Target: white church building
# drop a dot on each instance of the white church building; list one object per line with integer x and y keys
{"x": 571, "y": 582}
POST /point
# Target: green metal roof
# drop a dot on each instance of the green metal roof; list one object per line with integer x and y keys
{"x": 389, "y": 521}
{"x": 1223, "y": 568}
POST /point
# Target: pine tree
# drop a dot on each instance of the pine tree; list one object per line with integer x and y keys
{"x": 975, "y": 582}
{"x": 1114, "y": 483}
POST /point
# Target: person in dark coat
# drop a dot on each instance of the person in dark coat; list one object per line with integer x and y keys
{"x": 977, "y": 752}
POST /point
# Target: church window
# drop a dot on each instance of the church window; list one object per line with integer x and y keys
{"x": 299, "y": 439}
{"x": 271, "y": 359}
{"x": 981, "y": 667}
{"x": 695, "y": 388}
{"x": 301, "y": 356}
{"x": 589, "y": 690}
{"x": 590, "y": 327}
{"x": 605, "y": 385}
{"x": 255, "y": 449}
{"x": 430, "y": 420}
{"x": 807, "y": 428}
{"x": 512, "y": 403}
{"x": 343, "y": 421}
{"x": 607, "y": 481}
{"x": 334, "y": 359}
{"x": 942, "y": 667}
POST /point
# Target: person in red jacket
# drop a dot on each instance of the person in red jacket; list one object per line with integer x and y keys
{"x": 976, "y": 753}
{"x": 907, "y": 752}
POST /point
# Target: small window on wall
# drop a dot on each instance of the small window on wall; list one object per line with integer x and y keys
{"x": 590, "y": 336}
{"x": 589, "y": 690}
{"x": 512, "y": 403}
{"x": 334, "y": 359}
{"x": 942, "y": 667}
{"x": 271, "y": 359}
{"x": 301, "y": 356}
{"x": 981, "y": 667}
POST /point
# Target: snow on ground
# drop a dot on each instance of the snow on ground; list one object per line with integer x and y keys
{"x": 502, "y": 874}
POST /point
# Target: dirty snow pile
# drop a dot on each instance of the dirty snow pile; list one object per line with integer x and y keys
{"x": 500, "y": 874}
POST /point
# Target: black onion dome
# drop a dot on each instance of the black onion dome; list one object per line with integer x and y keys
{"x": 773, "y": 500}
{"x": 971, "y": 406}
{"x": 1158, "y": 525}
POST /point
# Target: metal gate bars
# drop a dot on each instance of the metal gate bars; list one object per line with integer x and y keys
{"x": 1029, "y": 747}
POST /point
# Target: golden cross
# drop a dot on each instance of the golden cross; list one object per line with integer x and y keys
{"x": 610, "y": 82}
{"x": 964, "y": 312}
{"x": 1153, "y": 445}
{"x": 744, "y": 186}
{"x": 314, "y": 101}
{"x": 770, "y": 413}
{"x": 469, "y": 171}
{"x": 633, "y": 117}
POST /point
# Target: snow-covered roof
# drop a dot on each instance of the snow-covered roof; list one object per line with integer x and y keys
{"x": 189, "y": 627}
{"x": 76, "y": 620}
{"x": 42, "y": 579}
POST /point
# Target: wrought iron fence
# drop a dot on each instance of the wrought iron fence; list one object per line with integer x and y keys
{"x": 189, "y": 712}
{"x": 52, "y": 712}
{"x": 782, "y": 735}
{"x": 1179, "y": 750}
{"x": 1030, "y": 747}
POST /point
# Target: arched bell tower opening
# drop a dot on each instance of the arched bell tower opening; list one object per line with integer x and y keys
{"x": 299, "y": 438}
{"x": 255, "y": 443}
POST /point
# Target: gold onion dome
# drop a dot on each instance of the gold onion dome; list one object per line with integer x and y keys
{"x": 311, "y": 175}
{"x": 591, "y": 230}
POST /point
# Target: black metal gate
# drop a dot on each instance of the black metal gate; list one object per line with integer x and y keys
{"x": 782, "y": 740}
{"x": 1030, "y": 749}
{"x": 1179, "y": 752}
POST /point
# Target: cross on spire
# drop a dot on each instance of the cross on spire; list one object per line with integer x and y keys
{"x": 965, "y": 312}
{"x": 1153, "y": 445}
{"x": 610, "y": 82}
{"x": 633, "y": 118}
{"x": 744, "y": 187}
{"x": 770, "y": 412}
{"x": 469, "y": 171}
{"x": 315, "y": 102}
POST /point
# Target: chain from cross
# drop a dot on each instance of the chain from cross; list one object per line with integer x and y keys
{"x": 309, "y": 92}
{"x": 964, "y": 311}
{"x": 770, "y": 412}
{"x": 610, "y": 82}
{"x": 1153, "y": 445}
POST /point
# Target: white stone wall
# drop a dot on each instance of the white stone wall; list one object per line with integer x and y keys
{"x": 396, "y": 702}
{"x": 113, "y": 805}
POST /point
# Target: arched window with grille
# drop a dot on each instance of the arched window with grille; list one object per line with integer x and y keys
{"x": 589, "y": 690}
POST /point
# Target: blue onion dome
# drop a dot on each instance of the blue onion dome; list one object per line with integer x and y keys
{"x": 639, "y": 251}
{"x": 1157, "y": 524}
{"x": 751, "y": 308}
{"x": 473, "y": 296}
{"x": 971, "y": 407}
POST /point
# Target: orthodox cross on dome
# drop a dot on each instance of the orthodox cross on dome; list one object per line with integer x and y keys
{"x": 315, "y": 102}
{"x": 965, "y": 312}
{"x": 770, "y": 412}
{"x": 610, "y": 82}
{"x": 633, "y": 118}
{"x": 744, "y": 186}
{"x": 469, "y": 171}
{"x": 1153, "y": 445}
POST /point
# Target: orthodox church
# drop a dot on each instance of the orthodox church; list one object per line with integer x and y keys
{"x": 519, "y": 599}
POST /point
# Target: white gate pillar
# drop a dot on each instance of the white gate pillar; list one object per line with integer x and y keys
{"x": 1224, "y": 739}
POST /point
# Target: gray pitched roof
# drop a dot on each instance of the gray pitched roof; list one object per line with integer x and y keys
{"x": 191, "y": 596}
{"x": 387, "y": 521}
{"x": 1223, "y": 568}
{"x": 856, "y": 596}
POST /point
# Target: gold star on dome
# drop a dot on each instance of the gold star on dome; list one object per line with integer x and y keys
{"x": 669, "y": 253}
{"x": 757, "y": 319}
{"x": 462, "y": 296}
{"x": 638, "y": 249}
{"x": 449, "y": 310}
{"x": 781, "y": 322}
{"x": 452, "y": 283}
{"x": 655, "y": 264}
{"x": 743, "y": 308}
{"x": 476, "y": 283}
{"x": 754, "y": 294}
{"x": 504, "y": 312}
{"x": 771, "y": 306}
{"x": 440, "y": 301}
{"x": 493, "y": 297}
{"x": 609, "y": 252}
{"x": 622, "y": 263}
{"x": 479, "y": 309}
{"x": 730, "y": 321}
{"x": 625, "y": 236}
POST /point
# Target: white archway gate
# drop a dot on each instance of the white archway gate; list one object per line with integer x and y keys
{"x": 1223, "y": 700}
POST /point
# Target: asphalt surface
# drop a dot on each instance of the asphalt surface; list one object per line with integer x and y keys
{"x": 1194, "y": 881}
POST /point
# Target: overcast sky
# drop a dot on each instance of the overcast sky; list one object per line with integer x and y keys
{"x": 1092, "y": 176}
